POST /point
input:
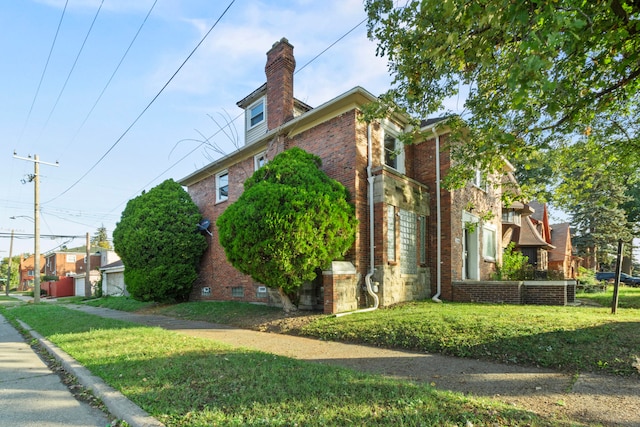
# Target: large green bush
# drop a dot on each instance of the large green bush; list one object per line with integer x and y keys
{"x": 291, "y": 220}
{"x": 157, "y": 241}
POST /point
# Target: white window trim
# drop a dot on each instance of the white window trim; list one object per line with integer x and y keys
{"x": 479, "y": 180}
{"x": 393, "y": 130}
{"x": 220, "y": 198}
{"x": 250, "y": 116}
{"x": 489, "y": 228}
{"x": 256, "y": 160}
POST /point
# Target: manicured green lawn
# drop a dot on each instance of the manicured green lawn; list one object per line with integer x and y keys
{"x": 572, "y": 339}
{"x": 628, "y": 297}
{"x": 185, "y": 381}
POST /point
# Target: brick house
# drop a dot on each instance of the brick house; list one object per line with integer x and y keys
{"x": 26, "y": 270}
{"x": 63, "y": 263}
{"x": 393, "y": 187}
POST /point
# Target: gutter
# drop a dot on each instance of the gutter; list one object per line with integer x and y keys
{"x": 436, "y": 297}
{"x": 372, "y": 270}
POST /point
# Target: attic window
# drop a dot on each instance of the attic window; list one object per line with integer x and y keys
{"x": 256, "y": 114}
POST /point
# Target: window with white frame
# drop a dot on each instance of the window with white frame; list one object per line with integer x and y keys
{"x": 391, "y": 233}
{"x": 393, "y": 149}
{"x": 260, "y": 160}
{"x": 256, "y": 114}
{"x": 71, "y": 258}
{"x": 489, "y": 242}
{"x": 480, "y": 179}
{"x": 222, "y": 186}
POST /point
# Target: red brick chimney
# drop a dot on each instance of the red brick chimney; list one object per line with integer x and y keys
{"x": 279, "y": 71}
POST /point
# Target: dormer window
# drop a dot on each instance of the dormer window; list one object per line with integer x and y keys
{"x": 256, "y": 114}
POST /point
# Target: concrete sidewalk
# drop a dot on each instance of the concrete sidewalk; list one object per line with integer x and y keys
{"x": 607, "y": 400}
{"x": 31, "y": 394}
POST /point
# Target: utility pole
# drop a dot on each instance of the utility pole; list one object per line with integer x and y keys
{"x": 87, "y": 273}
{"x": 8, "y": 284}
{"x": 35, "y": 178}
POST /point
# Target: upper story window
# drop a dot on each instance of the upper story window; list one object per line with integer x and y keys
{"x": 71, "y": 258}
{"x": 393, "y": 149}
{"x": 510, "y": 216}
{"x": 256, "y": 114}
{"x": 260, "y": 160}
{"x": 479, "y": 179}
{"x": 222, "y": 186}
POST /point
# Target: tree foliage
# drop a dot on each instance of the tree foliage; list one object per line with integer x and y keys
{"x": 538, "y": 72}
{"x": 15, "y": 271}
{"x": 290, "y": 220}
{"x": 158, "y": 243}
{"x": 101, "y": 238}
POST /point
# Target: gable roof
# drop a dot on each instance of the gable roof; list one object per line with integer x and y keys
{"x": 561, "y": 239}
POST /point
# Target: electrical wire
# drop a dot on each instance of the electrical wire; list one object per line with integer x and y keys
{"x": 75, "y": 62}
{"x": 44, "y": 71}
{"x": 241, "y": 114}
{"x": 147, "y": 107}
{"x": 112, "y": 76}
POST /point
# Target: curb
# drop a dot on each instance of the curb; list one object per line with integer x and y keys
{"x": 117, "y": 404}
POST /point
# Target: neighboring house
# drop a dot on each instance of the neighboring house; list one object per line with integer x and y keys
{"x": 26, "y": 268}
{"x": 561, "y": 256}
{"x": 62, "y": 263}
{"x": 113, "y": 279}
{"x": 396, "y": 256}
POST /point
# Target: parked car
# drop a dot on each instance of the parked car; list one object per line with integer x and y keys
{"x": 608, "y": 276}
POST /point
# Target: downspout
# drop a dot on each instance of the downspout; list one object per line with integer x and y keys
{"x": 436, "y": 297}
{"x": 367, "y": 278}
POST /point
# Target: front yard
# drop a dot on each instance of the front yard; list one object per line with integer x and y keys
{"x": 573, "y": 339}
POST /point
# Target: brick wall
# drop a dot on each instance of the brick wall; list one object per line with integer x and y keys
{"x": 491, "y": 292}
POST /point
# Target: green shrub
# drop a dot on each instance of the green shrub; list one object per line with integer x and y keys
{"x": 514, "y": 265}
{"x": 158, "y": 242}
{"x": 291, "y": 220}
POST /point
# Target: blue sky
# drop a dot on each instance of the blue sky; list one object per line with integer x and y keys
{"x": 224, "y": 69}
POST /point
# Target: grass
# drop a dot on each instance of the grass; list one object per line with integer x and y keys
{"x": 571, "y": 339}
{"x": 220, "y": 385}
{"x": 121, "y": 303}
{"x": 628, "y": 297}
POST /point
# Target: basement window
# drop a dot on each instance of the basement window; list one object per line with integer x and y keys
{"x": 237, "y": 292}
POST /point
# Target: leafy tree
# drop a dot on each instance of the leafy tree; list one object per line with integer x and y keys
{"x": 290, "y": 220}
{"x": 101, "y": 238}
{"x": 15, "y": 272}
{"x": 593, "y": 191}
{"x": 538, "y": 72}
{"x": 157, "y": 241}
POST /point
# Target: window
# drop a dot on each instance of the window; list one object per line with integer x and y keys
{"x": 71, "y": 258}
{"x": 391, "y": 233}
{"x": 260, "y": 160}
{"x": 390, "y": 155}
{"x": 480, "y": 180}
{"x": 393, "y": 150}
{"x": 256, "y": 114}
{"x": 237, "y": 292}
{"x": 408, "y": 249}
{"x": 489, "y": 242}
{"x": 30, "y": 273}
{"x": 510, "y": 216}
{"x": 423, "y": 239}
{"x": 261, "y": 292}
{"x": 222, "y": 186}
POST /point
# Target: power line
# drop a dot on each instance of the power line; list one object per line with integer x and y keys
{"x": 241, "y": 114}
{"x": 46, "y": 65}
{"x": 75, "y": 62}
{"x": 112, "y": 75}
{"x": 148, "y": 105}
